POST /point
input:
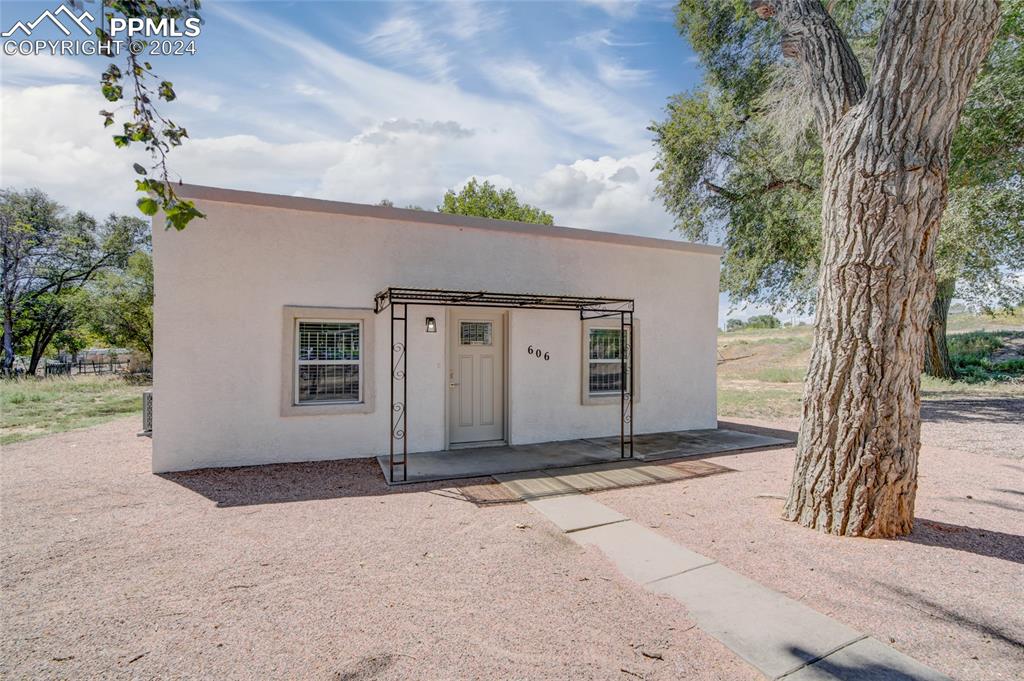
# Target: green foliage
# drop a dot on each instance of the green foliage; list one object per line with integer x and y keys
{"x": 972, "y": 356}
{"x": 739, "y": 160}
{"x": 763, "y": 321}
{"x": 50, "y": 258}
{"x": 737, "y": 50}
{"x": 388, "y": 203}
{"x": 121, "y": 305}
{"x": 144, "y": 124}
{"x": 487, "y": 201}
{"x": 760, "y": 321}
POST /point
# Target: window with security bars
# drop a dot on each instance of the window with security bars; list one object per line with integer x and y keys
{"x": 604, "y": 351}
{"x": 329, "y": 363}
{"x": 475, "y": 333}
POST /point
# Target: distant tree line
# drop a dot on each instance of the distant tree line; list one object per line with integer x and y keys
{"x": 70, "y": 281}
{"x": 760, "y": 321}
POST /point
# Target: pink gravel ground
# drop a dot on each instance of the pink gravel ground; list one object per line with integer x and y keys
{"x": 306, "y": 571}
{"x": 949, "y": 595}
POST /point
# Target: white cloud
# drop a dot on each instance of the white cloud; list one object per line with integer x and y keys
{"x": 360, "y": 93}
{"x": 405, "y": 42}
{"x": 618, "y": 9}
{"x": 417, "y": 37}
{"x": 357, "y": 132}
{"x": 576, "y": 102}
{"x": 625, "y": 174}
{"x": 607, "y": 193}
{"x": 602, "y": 37}
{"x": 307, "y": 90}
{"x": 204, "y": 101}
{"x": 468, "y": 20}
{"x": 617, "y": 74}
{"x": 53, "y": 138}
{"x": 19, "y": 69}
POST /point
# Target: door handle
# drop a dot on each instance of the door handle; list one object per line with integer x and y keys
{"x": 452, "y": 385}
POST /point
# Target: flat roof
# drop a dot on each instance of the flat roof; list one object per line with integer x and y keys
{"x": 203, "y": 193}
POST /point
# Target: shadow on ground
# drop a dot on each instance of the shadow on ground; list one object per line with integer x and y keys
{"x": 760, "y": 430}
{"x": 322, "y": 480}
{"x": 281, "y": 483}
{"x": 846, "y": 665}
{"x": 938, "y": 610}
{"x": 973, "y": 410}
{"x": 970, "y": 539}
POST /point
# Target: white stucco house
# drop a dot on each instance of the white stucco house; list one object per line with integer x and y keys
{"x": 291, "y": 329}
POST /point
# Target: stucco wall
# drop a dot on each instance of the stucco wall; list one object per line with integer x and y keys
{"x": 222, "y": 283}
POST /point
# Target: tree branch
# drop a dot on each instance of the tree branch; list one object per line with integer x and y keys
{"x": 772, "y": 186}
{"x": 800, "y": 185}
{"x": 812, "y": 38}
{"x": 928, "y": 55}
{"x": 720, "y": 190}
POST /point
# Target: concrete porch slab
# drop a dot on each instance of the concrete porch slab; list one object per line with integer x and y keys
{"x": 640, "y": 553}
{"x": 776, "y": 634}
{"x": 575, "y": 512}
{"x": 487, "y": 461}
{"x": 671, "y": 445}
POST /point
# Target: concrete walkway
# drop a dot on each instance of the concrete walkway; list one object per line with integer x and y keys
{"x": 781, "y": 637}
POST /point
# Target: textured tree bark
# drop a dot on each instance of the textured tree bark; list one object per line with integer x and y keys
{"x": 936, "y": 350}
{"x": 886, "y": 165}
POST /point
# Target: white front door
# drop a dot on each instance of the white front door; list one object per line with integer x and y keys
{"x": 476, "y": 377}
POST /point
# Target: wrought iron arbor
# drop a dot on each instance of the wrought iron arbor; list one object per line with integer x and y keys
{"x": 399, "y": 300}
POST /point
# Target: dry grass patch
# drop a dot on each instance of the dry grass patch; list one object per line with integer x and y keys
{"x": 33, "y": 407}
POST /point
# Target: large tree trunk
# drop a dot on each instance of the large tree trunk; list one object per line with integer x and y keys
{"x": 886, "y": 163}
{"x": 936, "y": 351}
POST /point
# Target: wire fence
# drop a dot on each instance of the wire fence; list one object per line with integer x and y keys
{"x": 107, "y": 366}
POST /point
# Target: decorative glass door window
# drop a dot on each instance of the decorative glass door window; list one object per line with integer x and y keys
{"x": 328, "y": 362}
{"x": 604, "y": 365}
{"x": 474, "y": 333}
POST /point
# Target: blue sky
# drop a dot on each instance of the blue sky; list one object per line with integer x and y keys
{"x": 360, "y": 101}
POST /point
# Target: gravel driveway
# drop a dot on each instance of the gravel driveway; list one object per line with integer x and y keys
{"x": 319, "y": 571}
{"x": 306, "y": 571}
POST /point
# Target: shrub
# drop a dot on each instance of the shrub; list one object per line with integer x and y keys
{"x": 971, "y": 357}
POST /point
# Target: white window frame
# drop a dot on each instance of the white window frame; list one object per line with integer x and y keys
{"x": 614, "y": 397}
{"x": 299, "y": 363}
{"x": 293, "y": 316}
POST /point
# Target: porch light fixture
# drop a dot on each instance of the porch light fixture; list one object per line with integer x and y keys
{"x": 431, "y": 325}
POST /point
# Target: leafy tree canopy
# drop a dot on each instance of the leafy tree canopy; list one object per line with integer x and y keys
{"x": 484, "y": 200}
{"x": 120, "y": 305}
{"x": 739, "y": 159}
{"x": 49, "y": 257}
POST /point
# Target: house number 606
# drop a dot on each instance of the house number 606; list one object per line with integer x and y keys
{"x": 537, "y": 352}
